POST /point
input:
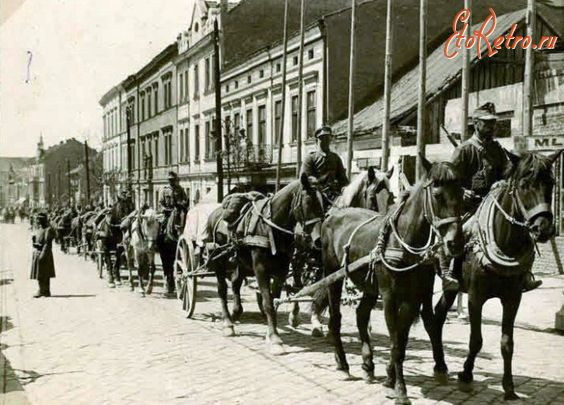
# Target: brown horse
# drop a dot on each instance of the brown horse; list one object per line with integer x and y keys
{"x": 298, "y": 202}
{"x": 371, "y": 190}
{"x": 514, "y": 216}
{"x": 399, "y": 268}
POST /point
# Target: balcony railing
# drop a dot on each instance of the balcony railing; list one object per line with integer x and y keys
{"x": 249, "y": 156}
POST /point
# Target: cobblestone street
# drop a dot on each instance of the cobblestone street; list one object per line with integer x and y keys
{"x": 89, "y": 344}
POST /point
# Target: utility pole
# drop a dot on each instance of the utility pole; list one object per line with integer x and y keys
{"x": 351, "y": 91}
{"x": 466, "y": 77}
{"x": 422, "y": 88}
{"x": 218, "y": 152}
{"x": 87, "y": 167}
{"x": 300, "y": 90}
{"x": 69, "y": 182}
{"x": 128, "y": 128}
{"x": 387, "y": 87}
{"x": 228, "y": 151}
{"x": 59, "y": 188}
{"x": 529, "y": 69}
{"x": 283, "y": 107}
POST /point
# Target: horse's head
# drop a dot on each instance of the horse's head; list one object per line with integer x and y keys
{"x": 308, "y": 210}
{"x": 150, "y": 225}
{"x": 443, "y": 204}
{"x": 532, "y": 183}
{"x": 378, "y": 195}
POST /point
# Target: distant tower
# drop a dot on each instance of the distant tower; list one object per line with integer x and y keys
{"x": 40, "y": 148}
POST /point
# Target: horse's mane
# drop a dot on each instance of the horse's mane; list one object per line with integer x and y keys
{"x": 351, "y": 190}
{"x": 531, "y": 167}
{"x": 443, "y": 173}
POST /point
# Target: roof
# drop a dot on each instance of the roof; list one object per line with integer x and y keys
{"x": 440, "y": 73}
{"x": 256, "y": 24}
{"x": 14, "y": 162}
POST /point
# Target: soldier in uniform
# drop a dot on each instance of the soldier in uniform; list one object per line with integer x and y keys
{"x": 42, "y": 265}
{"x": 173, "y": 196}
{"x": 324, "y": 166}
{"x": 481, "y": 161}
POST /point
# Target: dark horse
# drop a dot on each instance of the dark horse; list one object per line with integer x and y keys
{"x": 427, "y": 217}
{"x": 298, "y": 202}
{"x": 514, "y": 216}
{"x": 166, "y": 243}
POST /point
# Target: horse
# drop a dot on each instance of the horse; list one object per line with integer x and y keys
{"x": 166, "y": 242}
{"x": 63, "y": 228}
{"x": 370, "y": 189}
{"x": 140, "y": 244}
{"x": 429, "y": 211}
{"x": 268, "y": 256}
{"x": 513, "y": 217}
{"x": 114, "y": 240}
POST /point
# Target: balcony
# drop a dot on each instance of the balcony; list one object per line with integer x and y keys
{"x": 249, "y": 156}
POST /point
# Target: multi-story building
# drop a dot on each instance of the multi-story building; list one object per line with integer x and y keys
{"x": 14, "y": 180}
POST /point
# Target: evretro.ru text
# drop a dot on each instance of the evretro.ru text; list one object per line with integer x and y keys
{"x": 480, "y": 37}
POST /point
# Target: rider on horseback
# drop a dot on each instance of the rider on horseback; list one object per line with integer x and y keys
{"x": 324, "y": 166}
{"x": 173, "y": 196}
{"x": 481, "y": 161}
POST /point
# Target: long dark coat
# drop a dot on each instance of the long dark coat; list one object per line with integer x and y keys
{"x": 42, "y": 264}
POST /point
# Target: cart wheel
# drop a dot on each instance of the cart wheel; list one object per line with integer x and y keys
{"x": 184, "y": 265}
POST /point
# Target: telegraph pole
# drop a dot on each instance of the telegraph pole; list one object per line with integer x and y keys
{"x": 283, "y": 109}
{"x": 59, "y": 188}
{"x": 422, "y": 88}
{"x": 128, "y": 127}
{"x": 218, "y": 146}
{"x": 87, "y": 167}
{"x": 529, "y": 69}
{"x": 466, "y": 77}
{"x": 69, "y": 182}
{"x": 300, "y": 85}
{"x": 387, "y": 88}
{"x": 351, "y": 91}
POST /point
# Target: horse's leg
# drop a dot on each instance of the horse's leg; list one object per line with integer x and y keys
{"x": 262, "y": 266}
{"x": 475, "y": 305}
{"x": 294, "y": 316}
{"x": 319, "y": 304}
{"x": 405, "y": 316}
{"x": 221, "y": 275}
{"x": 510, "y": 307}
{"x": 367, "y": 302}
{"x": 335, "y": 327}
{"x": 434, "y": 324}
{"x": 236, "y": 283}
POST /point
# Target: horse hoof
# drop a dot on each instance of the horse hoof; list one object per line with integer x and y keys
{"x": 368, "y": 376}
{"x": 343, "y": 375}
{"x": 441, "y": 377}
{"x": 511, "y": 396}
{"x": 317, "y": 332}
{"x": 228, "y": 331}
{"x": 149, "y": 291}
{"x": 402, "y": 401}
{"x": 276, "y": 349}
{"x": 389, "y": 383}
{"x": 294, "y": 320}
{"x": 236, "y": 315}
{"x": 465, "y": 377}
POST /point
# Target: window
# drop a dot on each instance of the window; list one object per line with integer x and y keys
{"x": 196, "y": 82}
{"x": 207, "y": 75}
{"x": 212, "y": 73}
{"x": 156, "y": 99}
{"x": 249, "y": 79}
{"x": 149, "y": 103}
{"x": 181, "y": 144}
{"x": 197, "y": 143}
{"x": 278, "y": 67}
{"x": 186, "y": 85}
{"x": 155, "y": 153}
{"x": 227, "y": 88}
{"x": 181, "y": 86}
{"x": 249, "y": 122}
{"x": 169, "y": 83}
{"x": 186, "y": 145}
{"x": 295, "y": 60}
{"x": 262, "y": 125}
{"x": 277, "y": 120}
{"x": 294, "y": 118}
{"x": 236, "y": 84}
{"x": 310, "y": 54}
{"x": 208, "y": 141}
{"x": 132, "y": 154}
{"x": 311, "y": 113}
{"x": 237, "y": 121}
{"x": 168, "y": 147}
{"x": 261, "y": 73}
{"x": 142, "y": 106}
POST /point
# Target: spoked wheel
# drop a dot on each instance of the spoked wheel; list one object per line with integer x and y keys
{"x": 184, "y": 264}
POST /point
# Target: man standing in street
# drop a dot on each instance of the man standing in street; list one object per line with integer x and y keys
{"x": 42, "y": 265}
{"x": 324, "y": 166}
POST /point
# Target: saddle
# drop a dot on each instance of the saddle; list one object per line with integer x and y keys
{"x": 483, "y": 244}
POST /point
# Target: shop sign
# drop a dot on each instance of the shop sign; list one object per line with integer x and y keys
{"x": 546, "y": 142}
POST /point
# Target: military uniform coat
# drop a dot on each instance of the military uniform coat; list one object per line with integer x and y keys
{"x": 42, "y": 264}
{"x": 173, "y": 196}
{"x": 326, "y": 167}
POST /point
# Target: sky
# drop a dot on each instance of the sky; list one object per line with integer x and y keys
{"x": 58, "y": 57}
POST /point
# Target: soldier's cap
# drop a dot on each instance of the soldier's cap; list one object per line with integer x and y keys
{"x": 172, "y": 175}
{"x": 323, "y": 131}
{"x": 485, "y": 112}
{"x": 41, "y": 215}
